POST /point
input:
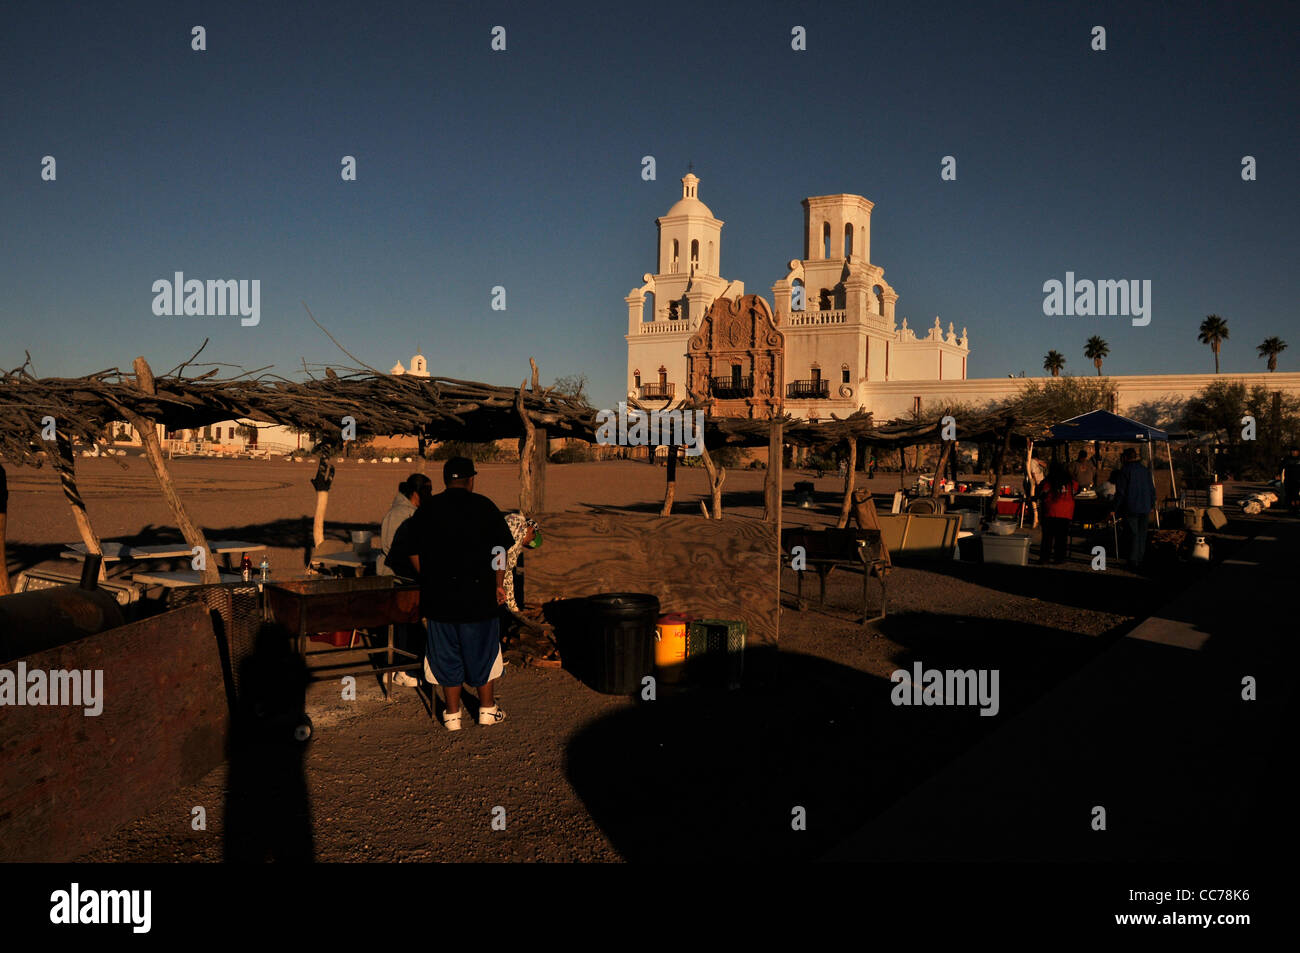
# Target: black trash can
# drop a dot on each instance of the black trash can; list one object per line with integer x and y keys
{"x": 803, "y": 494}
{"x": 620, "y": 641}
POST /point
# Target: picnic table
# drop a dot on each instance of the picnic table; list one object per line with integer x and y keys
{"x": 980, "y": 502}
{"x": 347, "y": 559}
{"x": 115, "y": 551}
{"x": 181, "y": 577}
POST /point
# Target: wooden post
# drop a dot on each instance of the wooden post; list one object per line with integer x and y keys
{"x": 532, "y": 459}
{"x": 5, "y": 588}
{"x": 772, "y": 509}
{"x": 1000, "y": 458}
{"x": 716, "y": 476}
{"x": 66, "y": 468}
{"x": 153, "y": 453}
{"x": 849, "y": 479}
{"x": 944, "y": 450}
{"x": 670, "y": 488}
{"x": 527, "y": 456}
{"x": 772, "y": 481}
{"x": 902, "y": 468}
{"x": 322, "y": 481}
{"x": 541, "y": 453}
{"x": 1032, "y": 484}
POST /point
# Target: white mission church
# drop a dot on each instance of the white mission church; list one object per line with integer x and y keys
{"x": 830, "y": 341}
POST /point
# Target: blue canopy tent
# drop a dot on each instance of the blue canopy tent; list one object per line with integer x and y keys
{"x": 1103, "y": 426}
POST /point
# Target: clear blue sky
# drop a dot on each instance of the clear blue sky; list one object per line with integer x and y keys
{"x": 522, "y": 169}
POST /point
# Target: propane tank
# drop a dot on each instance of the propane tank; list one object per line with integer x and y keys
{"x": 1201, "y": 549}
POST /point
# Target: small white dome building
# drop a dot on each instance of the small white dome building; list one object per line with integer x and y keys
{"x": 419, "y": 366}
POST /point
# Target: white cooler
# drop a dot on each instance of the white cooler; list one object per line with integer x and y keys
{"x": 1011, "y": 550}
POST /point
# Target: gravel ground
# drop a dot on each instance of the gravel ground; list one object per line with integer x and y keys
{"x": 583, "y": 776}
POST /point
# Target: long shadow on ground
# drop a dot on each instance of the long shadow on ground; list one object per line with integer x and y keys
{"x": 718, "y": 775}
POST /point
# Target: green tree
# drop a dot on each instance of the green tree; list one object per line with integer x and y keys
{"x": 1270, "y": 349}
{"x": 1053, "y": 362}
{"x": 1060, "y": 398}
{"x": 1214, "y": 331}
{"x": 1096, "y": 350}
{"x": 1219, "y": 409}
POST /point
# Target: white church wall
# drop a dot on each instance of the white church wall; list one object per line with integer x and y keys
{"x": 648, "y": 351}
{"x": 897, "y": 398}
{"x": 829, "y": 349}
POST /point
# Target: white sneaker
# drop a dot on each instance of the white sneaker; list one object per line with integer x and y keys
{"x": 451, "y": 720}
{"x": 491, "y": 716}
{"x": 406, "y": 681}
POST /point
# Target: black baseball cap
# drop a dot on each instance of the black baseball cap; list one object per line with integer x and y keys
{"x": 458, "y": 468}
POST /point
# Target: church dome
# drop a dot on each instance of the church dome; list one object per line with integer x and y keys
{"x": 690, "y": 207}
{"x": 689, "y": 203}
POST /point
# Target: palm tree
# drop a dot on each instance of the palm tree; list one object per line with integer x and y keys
{"x": 1096, "y": 351}
{"x": 1270, "y": 349}
{"x": 1214, "y": 331}
{"x": 1053, "y": 362}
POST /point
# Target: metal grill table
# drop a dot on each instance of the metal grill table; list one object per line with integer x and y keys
{"x": 326, "y": 605}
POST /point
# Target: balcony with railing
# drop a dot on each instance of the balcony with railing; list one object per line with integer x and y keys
{"x": 732, "y": 386}
{"x": 657, "y": 391}
{"x": 803, "y": 319}
{"x": 808, "y": 390}
{"x": 664, "y": 327}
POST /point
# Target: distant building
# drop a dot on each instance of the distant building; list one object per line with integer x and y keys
{"x": 228, "y": 436}
{"x": 419, "y": 366}
{"x": 829, "y": 343}
{"x": 831, "y": 336}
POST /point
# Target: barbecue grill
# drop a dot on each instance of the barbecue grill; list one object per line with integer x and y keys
{"x": 307, "y": 606}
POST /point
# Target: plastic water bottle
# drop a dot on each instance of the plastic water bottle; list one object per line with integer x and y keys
{"x": 265, "y": 569}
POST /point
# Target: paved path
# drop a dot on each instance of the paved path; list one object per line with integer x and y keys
{"x": 1154, "y": 730}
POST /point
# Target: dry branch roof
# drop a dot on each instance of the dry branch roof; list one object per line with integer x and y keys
{"x": 437, "y": 408}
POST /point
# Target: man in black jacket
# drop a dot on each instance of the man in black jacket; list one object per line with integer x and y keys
{"x": 1290, "y": 477}
{"x": 458, "y": 541}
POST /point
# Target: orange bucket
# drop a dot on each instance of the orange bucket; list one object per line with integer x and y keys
{"x": 670, "y": 645}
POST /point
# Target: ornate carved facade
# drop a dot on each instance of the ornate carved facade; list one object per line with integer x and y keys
{"x": 734, "y": 360}
{"x": 838, "y": 347}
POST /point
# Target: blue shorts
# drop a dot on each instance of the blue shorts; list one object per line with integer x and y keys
{"x": 462, "y": 653}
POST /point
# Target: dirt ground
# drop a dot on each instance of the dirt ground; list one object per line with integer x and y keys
{"x": 579, "y": 776}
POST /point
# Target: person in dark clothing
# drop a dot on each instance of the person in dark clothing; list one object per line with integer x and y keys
{"x": 1083, "y": 470}
{"x": 1057, "y": 498}
{"x": 460, "y": 541}
{"x": 1135, "y": 496}
{"x": 1290, "y": 476}
{"x": 411, "y": 636}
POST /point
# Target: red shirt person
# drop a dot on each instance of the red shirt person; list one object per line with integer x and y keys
{"x": 1056, "y": 495}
